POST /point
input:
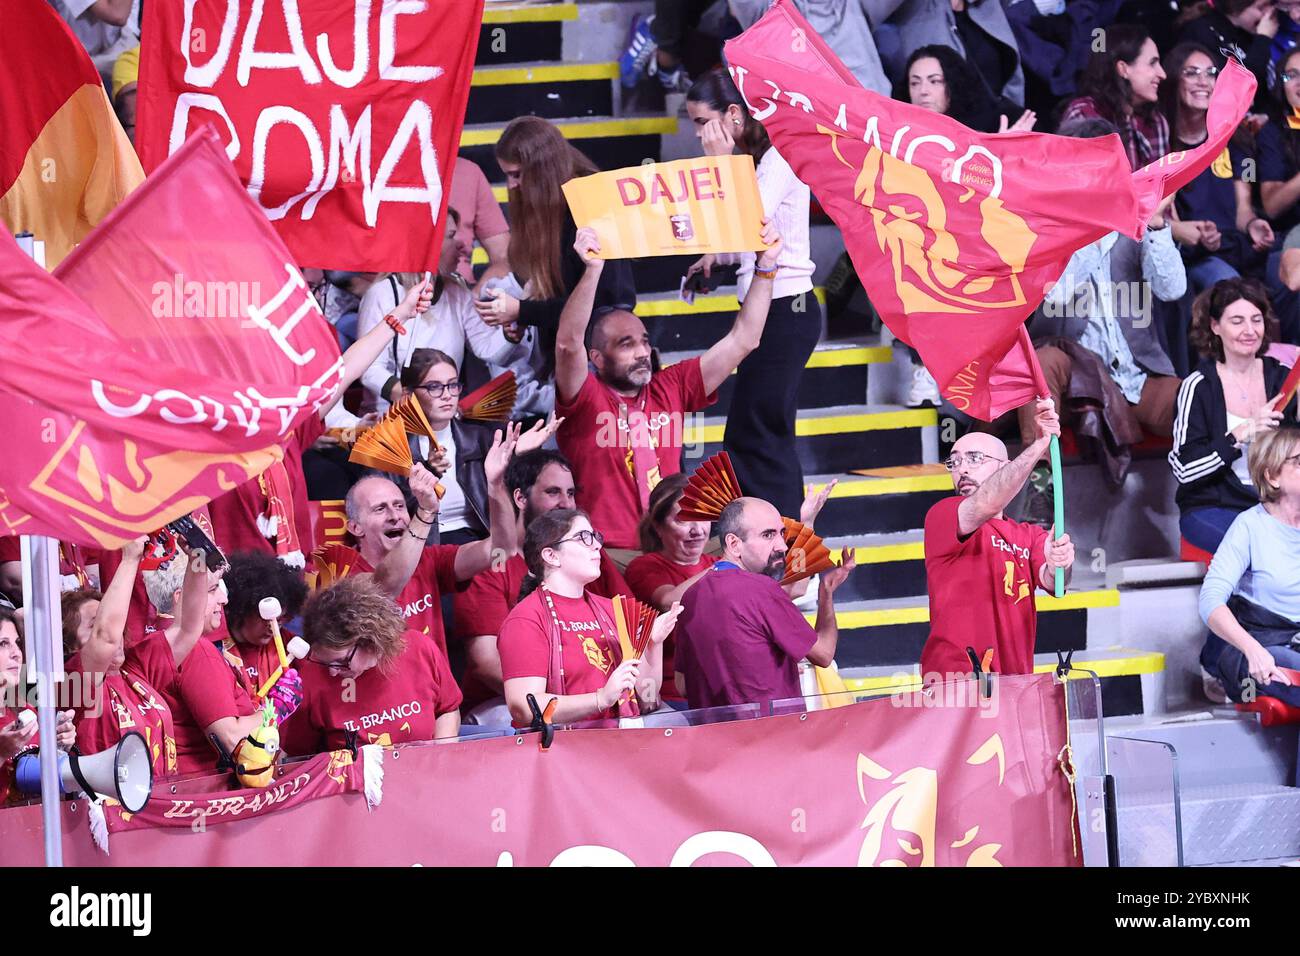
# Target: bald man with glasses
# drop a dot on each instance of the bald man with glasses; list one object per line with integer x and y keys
{"x": 982, "y": 568}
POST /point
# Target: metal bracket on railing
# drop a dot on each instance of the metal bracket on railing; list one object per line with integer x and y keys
{"x": 1064, "y": 663}
{"x": 981, "y": 672}
{"x": 542, "y": 720}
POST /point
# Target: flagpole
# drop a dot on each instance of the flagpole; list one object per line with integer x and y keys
{"x": 43, "y": 635}
{"x": 1058, "y": 505}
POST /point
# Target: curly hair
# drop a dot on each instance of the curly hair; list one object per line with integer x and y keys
{"x": 70, "y": 607}
{"x": 1210, "y": 305}
{"x": 356, "y": 612}
{"x": 254, "y": 575}
{"x": 968, "y": 100}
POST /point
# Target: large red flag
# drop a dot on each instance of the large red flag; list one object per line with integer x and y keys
{"x": 165, "y": 362}
{"x": 956, "y": 235}
{"x": 65, "y": 161}
{"x": 342, "y": 117}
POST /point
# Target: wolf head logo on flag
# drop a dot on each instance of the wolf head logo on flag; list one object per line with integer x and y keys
{"x": 956, "y": 235}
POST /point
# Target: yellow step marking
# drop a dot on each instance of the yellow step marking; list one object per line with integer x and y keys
{"x": 548, "y": 73}
{"x": 543, "y": 13}
{"x": 1139, "y": 663}
{"x": 829, "y": 425}
{"x": 920, "y": 614}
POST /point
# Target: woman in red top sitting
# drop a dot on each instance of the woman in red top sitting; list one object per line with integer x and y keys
{"x": 674, "y": 559}
{"x": 368, "y": 679}
{"x": 123, "y": 701}
{"x": 560, "y": 640}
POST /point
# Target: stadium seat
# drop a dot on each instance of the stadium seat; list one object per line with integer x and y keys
{"x": 1272, "y": 711}
{"x": 1190, "y": 552}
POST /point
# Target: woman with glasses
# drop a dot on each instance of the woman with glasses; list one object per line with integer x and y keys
{"x": 433, "y": 377}
{"x": 560, "y": 640}
{"x": 1120, "y": 85}
{"x": 368, "y": 679}
{"x": 1250, "y": 599}
{"x": 1223, "y": 406}
{"x": 449, "y": 325}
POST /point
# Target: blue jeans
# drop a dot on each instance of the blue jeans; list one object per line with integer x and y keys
{"x": 1205, "y": 527}
{"x": 346, "y": 330}
{"x": 1286, "y": 304}
{"x": 1203, "y": 274}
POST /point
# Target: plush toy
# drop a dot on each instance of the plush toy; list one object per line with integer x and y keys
{"x": 255, "y": 756}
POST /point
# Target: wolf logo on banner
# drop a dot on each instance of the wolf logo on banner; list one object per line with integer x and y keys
{"x": 907, "y": 813}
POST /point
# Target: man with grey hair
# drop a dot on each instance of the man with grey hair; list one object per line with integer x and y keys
{"x": 740, "y": 638}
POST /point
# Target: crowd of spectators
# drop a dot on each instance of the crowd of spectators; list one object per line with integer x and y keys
{"x": 488, "y": 574}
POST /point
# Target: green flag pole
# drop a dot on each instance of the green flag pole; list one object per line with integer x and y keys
{"x": 1058, "y": 506}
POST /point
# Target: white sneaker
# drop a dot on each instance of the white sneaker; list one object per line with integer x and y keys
{"x": 924, "y": 390}
{"x": 1212, "y": 688}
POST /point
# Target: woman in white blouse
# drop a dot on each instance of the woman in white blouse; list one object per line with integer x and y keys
{"x": 760, "y": 423}
{"x": 450, "y": 325}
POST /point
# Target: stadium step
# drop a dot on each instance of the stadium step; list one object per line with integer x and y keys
{"x": 610, "y": 143}
{"x": 889, "y": 565}
{"x": 678, "y": 326}
{"x": 837, "y": 439}
{"x": 836, "y": 374}
{"x": 1125, "y": 675}
{"x": 892, "y": 631}
{"x": 523, "y": 32}
{"x": 880, "y": 500}
{"x": 551, "y": 90}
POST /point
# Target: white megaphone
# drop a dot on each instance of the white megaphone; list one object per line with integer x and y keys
{"x": 124, "y": 773}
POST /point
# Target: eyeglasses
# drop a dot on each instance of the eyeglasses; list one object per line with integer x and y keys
{"x": 1290, "y": 76}
{"x": 337, "y": 665}
{"x": 972, "y": 458}
{"x": 588, "y": 539}
{"x": 1192, "y": 72}
{"x": 436, "y": 389}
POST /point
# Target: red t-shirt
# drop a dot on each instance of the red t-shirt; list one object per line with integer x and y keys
{"x": 594, "y": 439}
{"x": 386, "y": 709}
{"x": 589, "y": 651}
{"x": 73, "y": 561}
{"x": 127, "y": 703}
{"x": 646, "y": 575}
{"x": 234, "y": 514}
{"x": 203, "y": 689}
{"x": 741, "y": 639}
{"x": 483, "y": 606}
{"x": 981, "y": 593}
{"x": 258, "y": 662}
{"x": 420, "y": 600}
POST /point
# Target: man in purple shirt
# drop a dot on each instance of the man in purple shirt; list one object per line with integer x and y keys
{"x": 740, "y": 639}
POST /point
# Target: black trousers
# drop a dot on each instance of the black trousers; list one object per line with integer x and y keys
{"x": 760, "y": 424}
{"x": 674, "y": 19}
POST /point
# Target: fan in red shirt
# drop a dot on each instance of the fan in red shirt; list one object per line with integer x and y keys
{"x": 560, "y": 640}
{"x": 270, "y": 512}
{"x": 623, "y": 422}
{"x": 369, "y": 679}
{"x": 252, "y": 577}
{"x": 538, "y": 482}
{"x": 14, "y": 738}
{"x": 74, "y": 564}
{"x": 672, "y": 561}
{"x": 981, "y": 568}
{"x": 207, "y": 693}
{"x": 391, "y": 543}
{"x": 123, "y": 701}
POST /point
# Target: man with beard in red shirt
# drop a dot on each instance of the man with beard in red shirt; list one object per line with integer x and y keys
{"x": 623, "y": 423}
{"x": 538, "y": 482}
{"x": 391, "y": 542}
{"x": 981, "y": 568}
